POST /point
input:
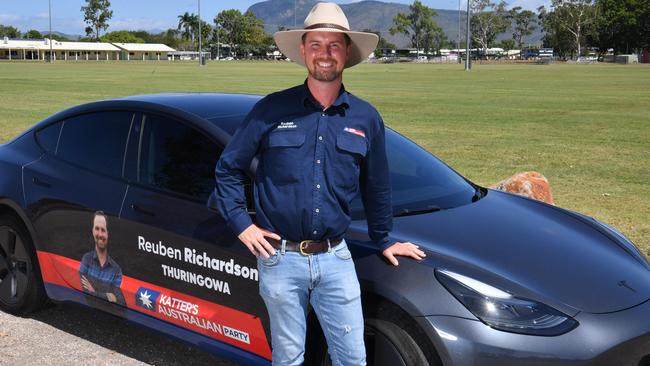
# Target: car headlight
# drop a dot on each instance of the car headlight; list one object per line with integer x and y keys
{"x": 500, "y": 310}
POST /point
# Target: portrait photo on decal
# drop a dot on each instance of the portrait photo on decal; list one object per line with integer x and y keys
{"x": 99, "y": 274}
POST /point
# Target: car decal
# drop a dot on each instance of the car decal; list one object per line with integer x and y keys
{"x": 216, "y": 321}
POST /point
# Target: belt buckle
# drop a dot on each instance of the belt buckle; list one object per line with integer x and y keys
{"x": 303, "y": 245}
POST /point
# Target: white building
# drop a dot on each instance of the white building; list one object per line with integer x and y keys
{"x": 144, "y": 51}
{"x": 188, "y": 55}
{"x": 40, "y": 50}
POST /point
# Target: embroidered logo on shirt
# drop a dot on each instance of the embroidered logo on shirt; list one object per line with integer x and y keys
{"x": 354, "y": 131}
{"x": 286, "y": 125}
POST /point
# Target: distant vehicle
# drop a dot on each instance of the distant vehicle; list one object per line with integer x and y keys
{"x": 537, "y": 54}
{"x": 588, "y": 59}
{"x": 387, "y": 59}
{"x": 529, "y": 53}
{"x": 591, "y": 55}
{"x": 507, "y": 280}
{"x": 545, "y": 53}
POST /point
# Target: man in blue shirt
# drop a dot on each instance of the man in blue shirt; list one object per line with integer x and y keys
{"x": 318, "y": 147}
{"x": 99, "y": 274}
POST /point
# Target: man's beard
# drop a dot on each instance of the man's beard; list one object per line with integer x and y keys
{"x": 322, "y": 75}
{"x": 101, "y": 246}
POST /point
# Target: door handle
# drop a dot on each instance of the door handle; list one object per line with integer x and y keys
{"x": 41, "y": 183}
{"x": 141, "y": 210}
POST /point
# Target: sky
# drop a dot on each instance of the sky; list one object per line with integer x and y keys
{"x": 152, "y": 15}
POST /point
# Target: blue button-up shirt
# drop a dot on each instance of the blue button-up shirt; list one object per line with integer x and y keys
{"x": 106, "y": 279}
{"x": 312, "y": 164}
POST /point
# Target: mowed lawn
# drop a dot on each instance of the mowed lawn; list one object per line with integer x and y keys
{"x": 585, "y": 127}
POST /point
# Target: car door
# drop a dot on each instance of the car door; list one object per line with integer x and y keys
{"x": 80, "y": 173}
{"x": 185, "y": 266}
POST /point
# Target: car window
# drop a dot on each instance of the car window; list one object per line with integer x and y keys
{"x": 419, "y": 180}
{"x": 96, "y": 141}
{"x": 48, "y": 137}
{"x": 177, "y": 158}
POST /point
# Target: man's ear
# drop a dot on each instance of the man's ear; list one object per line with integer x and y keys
{"x": 302, "y": 50}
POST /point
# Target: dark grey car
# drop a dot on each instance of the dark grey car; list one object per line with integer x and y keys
{"x": 506, "y": 280}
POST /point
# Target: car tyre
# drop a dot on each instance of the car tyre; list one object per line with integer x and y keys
{"x": 21, "y": 287}
{"x": 386, "y": 345}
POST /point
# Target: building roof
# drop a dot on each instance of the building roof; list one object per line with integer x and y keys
{"x": 28, "y": 44}
{"x": 144, "y": 47}
{"x": 44, "y": 45}
{"x": 83, "y": 46}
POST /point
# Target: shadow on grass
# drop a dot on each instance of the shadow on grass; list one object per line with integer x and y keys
{"x": 121, "y": 336}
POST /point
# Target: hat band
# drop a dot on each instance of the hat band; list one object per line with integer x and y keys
{"x": 327, "y": 25}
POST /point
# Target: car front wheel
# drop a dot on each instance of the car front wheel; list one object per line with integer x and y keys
{"x": 21, "y": 291}
{"x": 386, "y": 345}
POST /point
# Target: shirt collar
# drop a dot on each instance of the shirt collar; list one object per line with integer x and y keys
{"x": 341, "y": 102}
{"x": 109, "y": 261}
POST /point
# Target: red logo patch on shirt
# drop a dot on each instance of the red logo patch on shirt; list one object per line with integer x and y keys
{"x": 354, "y": 131}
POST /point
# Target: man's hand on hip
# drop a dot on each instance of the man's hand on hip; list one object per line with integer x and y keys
{"x": 254, "y": 237}
{"x": 404, "y": 249}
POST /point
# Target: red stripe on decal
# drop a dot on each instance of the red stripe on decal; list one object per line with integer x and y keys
{"x": 59, "y": 270}
{"x": 216, "y": 321}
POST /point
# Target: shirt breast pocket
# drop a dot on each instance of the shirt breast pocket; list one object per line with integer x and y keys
{"x": 352, "y": 150}
{"x": 281, "y": 156}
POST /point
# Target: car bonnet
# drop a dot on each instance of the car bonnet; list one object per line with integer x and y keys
{"x": 554, "y": 256}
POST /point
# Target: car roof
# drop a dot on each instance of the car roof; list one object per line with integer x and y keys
{"x": 224, "y": 110}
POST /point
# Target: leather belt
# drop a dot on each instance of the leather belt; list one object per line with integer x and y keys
{"x": 305, "y": 247}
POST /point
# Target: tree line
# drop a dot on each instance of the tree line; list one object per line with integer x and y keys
{"x": 240, "y": 34}
{"x": 570, "y": 27}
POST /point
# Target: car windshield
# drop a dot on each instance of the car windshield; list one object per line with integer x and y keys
{"x": 420, "y": 181}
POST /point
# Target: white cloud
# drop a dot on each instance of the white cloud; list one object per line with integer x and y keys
{"x": 137, "y": 24}
{"x": 77, "y": 25}
{"x": 8, "y": 18}
{"x": 530, "y": 4}
{"x": 40, "y": 22}
{"x": 23, "y": 22}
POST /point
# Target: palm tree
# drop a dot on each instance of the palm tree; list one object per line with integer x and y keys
{"x": 188, "y": 22}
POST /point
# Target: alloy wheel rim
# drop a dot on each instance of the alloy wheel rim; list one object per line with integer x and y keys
{"x": 13, "y": 266}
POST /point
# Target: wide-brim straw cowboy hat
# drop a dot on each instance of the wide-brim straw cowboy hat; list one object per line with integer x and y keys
{"x": 326, "y": 17}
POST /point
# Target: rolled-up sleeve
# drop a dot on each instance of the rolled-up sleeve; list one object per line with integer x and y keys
{"x": 376, "y": 189}
{"x": 231, "y": 172}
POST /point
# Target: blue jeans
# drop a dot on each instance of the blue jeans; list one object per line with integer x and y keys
{"x": 289, "y": 282}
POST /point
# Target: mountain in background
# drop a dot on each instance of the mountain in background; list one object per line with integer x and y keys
{"x": 369, "y": 14}
{"x": 72, "y": 37}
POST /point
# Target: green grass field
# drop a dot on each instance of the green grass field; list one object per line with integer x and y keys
{"x": 585, "y": 127}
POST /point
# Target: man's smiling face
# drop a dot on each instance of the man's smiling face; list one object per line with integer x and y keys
{"x": 100, "y": 232}
{"x": 325, "y": 54}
